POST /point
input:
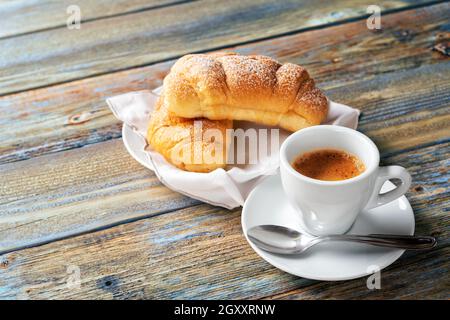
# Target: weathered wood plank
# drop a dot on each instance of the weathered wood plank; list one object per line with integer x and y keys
{"x": 422, "y": 276}
{"x": 78, "y": 191}
{"x": 81, "y": 190}
{"x": 202, "y": 248}
{"x": 420, "y": 116}
{"x": 26, "y": 16}
{"x": 399, "y": 110}
{"x": 117, "y": 43}
{"x": 34, "y": 123}
{"x": 200, "y": 252}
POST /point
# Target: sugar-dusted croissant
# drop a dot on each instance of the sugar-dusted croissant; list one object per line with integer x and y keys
{"x": 254, "y": 88}
{"x": 198, "y": 145}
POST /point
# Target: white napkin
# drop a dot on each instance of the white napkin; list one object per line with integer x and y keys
{"x": 226, "y": 188}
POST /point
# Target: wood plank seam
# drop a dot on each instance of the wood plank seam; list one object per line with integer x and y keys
{"x": 395, "y": 267}
{"x": 363, "y": 122}
{"x": 210, "y": 231}
{"x": 424, "y": 166}
{"x": 138, "y": 77}
{"x": 443, "y": 199}
{"x": 122, "y": 222}
{"x": 239, "y": 43}
{"x": 154, "y": 7}
{"x": 96, "y": 229}
{"x": 416, "y": 147}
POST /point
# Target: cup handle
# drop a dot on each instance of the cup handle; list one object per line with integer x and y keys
{"x": 384, "y": 174}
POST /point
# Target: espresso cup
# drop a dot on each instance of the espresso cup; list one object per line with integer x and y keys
{"x": 331, "y": 207}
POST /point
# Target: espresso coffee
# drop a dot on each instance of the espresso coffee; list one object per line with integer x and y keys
{"x": 328, "y": 165}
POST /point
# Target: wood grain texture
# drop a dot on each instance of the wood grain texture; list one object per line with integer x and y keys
{"x": 26, "y": 16}
{"x": 398, "y": 110}
{"x": 97, "y": 209}
{"x": 78, "y": 191}
{"x": 141, "y": 38}
{"x": 200, "y": 252}
{"x": 422, "y": 276}
{"x": 402, "y": 109}
{"x": 81, "y": 190}
{"x": 35, "y": 122}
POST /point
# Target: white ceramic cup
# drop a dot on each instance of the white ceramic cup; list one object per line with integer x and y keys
{"x": 331, "y": 207}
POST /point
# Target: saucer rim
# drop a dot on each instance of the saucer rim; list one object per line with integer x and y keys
{"x": 395, "y": 255}
{"x": 127, "y": 130}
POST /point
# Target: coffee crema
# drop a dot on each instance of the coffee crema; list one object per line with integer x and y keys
{"x": 328, "y": 165}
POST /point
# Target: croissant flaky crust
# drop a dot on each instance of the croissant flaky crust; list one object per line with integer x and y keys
{"x": 197, "y": 145}
{"x": 255, "y": 88}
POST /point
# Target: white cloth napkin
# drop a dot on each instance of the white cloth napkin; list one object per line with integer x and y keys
{"x": 226, "y": 188}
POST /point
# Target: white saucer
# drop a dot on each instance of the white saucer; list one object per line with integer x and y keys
{"x": 267, "y": 204}
{"x": 135, "y": 145}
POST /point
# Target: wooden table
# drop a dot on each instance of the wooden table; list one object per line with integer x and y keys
{"x": 72, "y": 200}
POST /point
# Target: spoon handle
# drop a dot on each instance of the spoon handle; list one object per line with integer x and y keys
{"x": 393, "y": 241}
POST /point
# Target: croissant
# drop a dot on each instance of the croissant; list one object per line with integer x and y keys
{"x": 197, "y": 145}
{"x": 227, "y": 86}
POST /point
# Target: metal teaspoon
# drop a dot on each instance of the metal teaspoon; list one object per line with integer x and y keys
{"x": 282, "y": 240}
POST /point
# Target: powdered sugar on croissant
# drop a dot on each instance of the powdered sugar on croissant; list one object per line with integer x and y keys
{"x": 255, "y": 88}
